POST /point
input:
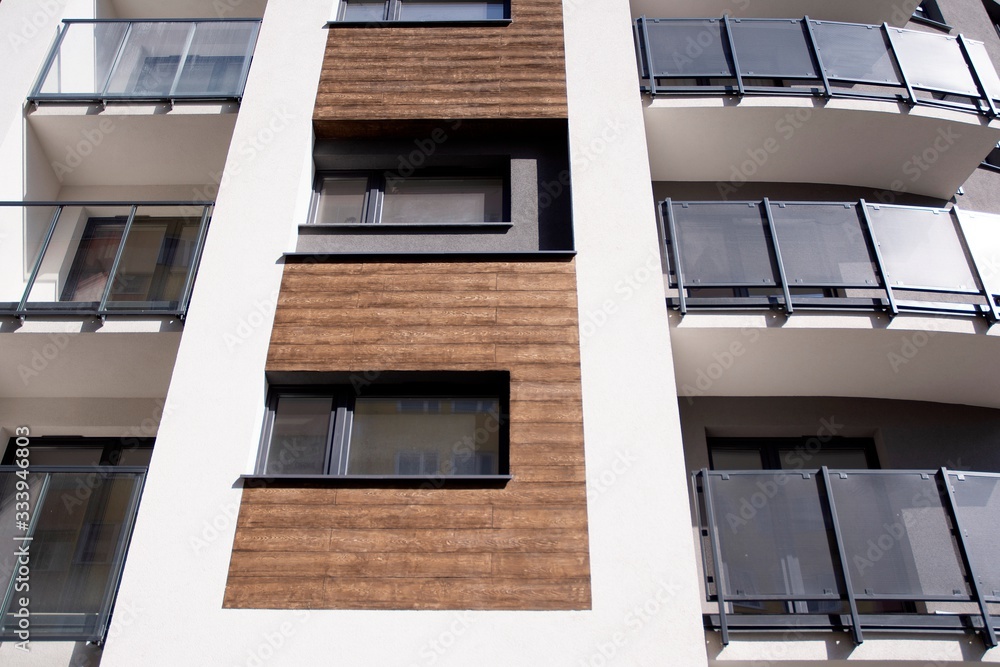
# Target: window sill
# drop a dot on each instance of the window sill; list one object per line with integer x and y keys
{"x": 401, "y": 481}
{"x": 416, "y": 24}
{"x": 404, "y": 226}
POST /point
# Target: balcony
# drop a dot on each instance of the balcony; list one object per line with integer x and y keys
{"x": 800, "y": 100}
{"x": 76, "y": 543}
{"x": 111, "y": 61}
{"x": 894, "y": 12}
{"x": 827, "y": 256}
{"x": 103, "y": 258}
{"x": 849, "y": 550}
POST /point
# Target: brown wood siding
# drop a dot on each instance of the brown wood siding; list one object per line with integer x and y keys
{"x": 443, "y": 72}
{"x": 523, "y": 546}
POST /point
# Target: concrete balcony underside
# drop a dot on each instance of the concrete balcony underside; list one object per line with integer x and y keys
{"x": 875, "y": 144}
{"x": 936, "y": 359}
{"x": 74, "y": 359}
{"x": 132, "y": 145}
{"x": 894, "y": 12}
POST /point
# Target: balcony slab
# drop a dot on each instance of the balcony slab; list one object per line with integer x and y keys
{"x": 909, "y": 357}
{"x": 886, "y": 145}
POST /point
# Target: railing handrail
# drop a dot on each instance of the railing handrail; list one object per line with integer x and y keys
{"x": 986, "y": 290}
{"x": 101, "y": 92}
{"x": 170, "y": 20}
{"x": 22, "y": 309}
{"x": 982, "y": 101}
{"x": 826, "y": 500}
{"x": 98, "y": 202}
{"x": 57, "y": 469}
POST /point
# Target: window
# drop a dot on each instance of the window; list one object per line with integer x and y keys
{"x": 154, "y": 266}
{"x": 371, "y": 11}
{"x": 425, "y": 197}
{"x": 929, "y": 11}
{"x": 805, "y": 453}
{"x": 83, "y": 494}
{"x": 408, "y": 429}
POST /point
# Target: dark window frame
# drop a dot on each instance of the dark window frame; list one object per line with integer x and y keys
{"x": 99, "y": 542}
{"x": 769, "y": 448}
{"x": 344, "y": 396}
{"x": 371, "y": 215}
{"x": 111, "y": 453}
{"x": 392, "y": 8}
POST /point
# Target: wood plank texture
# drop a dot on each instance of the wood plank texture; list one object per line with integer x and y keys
{"x": 523, "y": 546}
{"x": 446, "y": 72}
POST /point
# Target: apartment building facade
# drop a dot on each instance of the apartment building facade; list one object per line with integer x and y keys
{"x": 502, "y": 331}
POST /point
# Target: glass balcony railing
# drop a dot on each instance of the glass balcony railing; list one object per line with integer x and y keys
{"x": 75, "y": 524}
{"x": 815, "y": 255}
{"x": 113, "y": 60}
{"x": 822, "y": 58}
{"x": 853, "y": 550}
{"x": 103, "y": 258}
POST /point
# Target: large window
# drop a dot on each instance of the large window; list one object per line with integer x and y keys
{"x": 81, "y": 498}
{"x": 425, "y": 197}
{"x": 391, "y": 430}
{"x": 154, "y": 264}
{"x": 373, "y": 11}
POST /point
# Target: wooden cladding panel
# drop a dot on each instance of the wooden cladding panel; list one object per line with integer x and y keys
{"x": 425, "y": 72}
{"x": 524, "y": 546}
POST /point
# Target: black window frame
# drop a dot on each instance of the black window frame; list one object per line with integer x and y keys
{"x": 99, "y": 542}
{"x": 371, "y": 216}
{"x": 769, "y": 448}
{"x": 471, "y": 385}
{"x": 111, "y": 452}
{"x": 391, "y": 11}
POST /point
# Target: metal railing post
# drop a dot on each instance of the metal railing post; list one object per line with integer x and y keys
{"x": 727, "y": 25}
{"x": 842, "y": 556}
{"x": 789, "y": 309}
{"x": 713, "y": 528}
{"x": 102, "y": 307}
{"x": 989, "y": 634}
{"x": 676, "y": 252}
{"x": 819, "y": 58}
{"x": 38, "y": 262}
{"x": 880, "y": 263}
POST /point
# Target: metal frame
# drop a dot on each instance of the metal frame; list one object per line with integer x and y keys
{"x": 981, "y": 622}
{"x": 391, "y": 11}
{"x": 121, "y": 548}
{"x": 343, "y": 398}
{"x": 102, "y": 95}
{"x": 904, "y": 91}
{"x": 23, "y": 308}
{"x": 889, "y": 303}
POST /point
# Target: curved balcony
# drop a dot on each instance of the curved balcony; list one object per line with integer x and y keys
{"x": 801, "y": 100}
{"x": 894, "y": 12}
{"x": 851, "y": 550}
{"x": 834, "y": 299}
